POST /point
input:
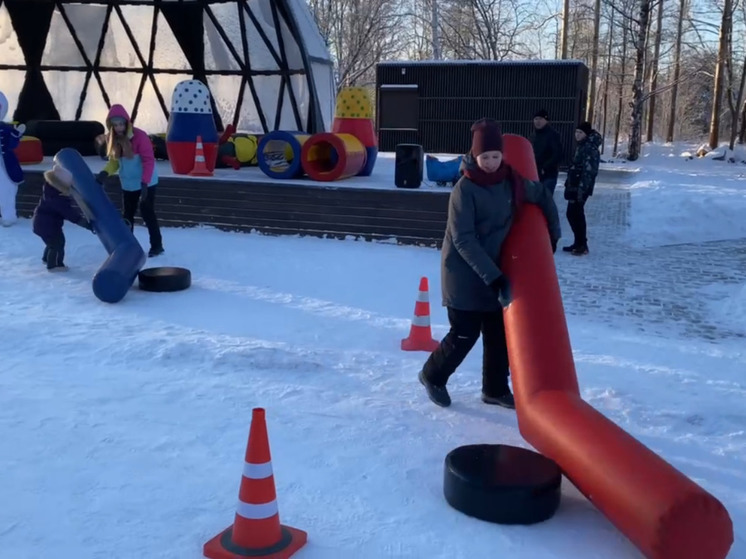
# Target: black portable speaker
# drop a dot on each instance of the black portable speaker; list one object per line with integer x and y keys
{"x": 409, "y": 165}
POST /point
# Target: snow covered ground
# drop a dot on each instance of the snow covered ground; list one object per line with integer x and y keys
{"x": 124, "y": 426}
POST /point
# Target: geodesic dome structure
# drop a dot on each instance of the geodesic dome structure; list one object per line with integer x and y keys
{"x": 264, "y": 61}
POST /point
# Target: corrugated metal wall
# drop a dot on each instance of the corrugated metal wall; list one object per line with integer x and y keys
{"x": 452, "y": 95}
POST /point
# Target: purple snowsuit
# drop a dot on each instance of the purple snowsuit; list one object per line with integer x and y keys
{"x": 49, "y": 215}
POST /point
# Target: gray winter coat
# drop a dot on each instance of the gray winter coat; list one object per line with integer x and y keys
{"x": 479, "y": 219}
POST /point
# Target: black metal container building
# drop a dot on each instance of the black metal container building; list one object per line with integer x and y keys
{"x": 434, "y": 103}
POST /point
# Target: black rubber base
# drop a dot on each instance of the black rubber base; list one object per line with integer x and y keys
{"x": 502, "y": 484}
{"x": 164, "y": 279}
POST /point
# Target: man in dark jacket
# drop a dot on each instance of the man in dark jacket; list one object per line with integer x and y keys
{"x": 581, "y": 179}
{"x": 475, "y": 291}
{"x": 54, "y": 207}
{"x": 547, "y": 150}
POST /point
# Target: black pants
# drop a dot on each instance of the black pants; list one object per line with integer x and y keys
{"x": 54, "y": 251}
{"x": 576, "y": 218}
{"x": 130, "y": 202}
{"x": 465, "y": 329}
{"x": 550, "y": 183}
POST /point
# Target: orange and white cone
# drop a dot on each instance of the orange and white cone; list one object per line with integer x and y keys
{"x": 200, "y": 164}
{"x": 420, "y": 335}
{"x": 256, "y": 530}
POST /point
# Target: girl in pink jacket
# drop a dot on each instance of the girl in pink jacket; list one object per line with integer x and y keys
{"x": 131, "y": 157}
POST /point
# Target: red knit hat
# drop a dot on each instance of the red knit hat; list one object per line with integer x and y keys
{"x": 486, "y": 136}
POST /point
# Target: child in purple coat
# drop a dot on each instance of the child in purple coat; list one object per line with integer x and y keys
{"x": 54, "y": 207}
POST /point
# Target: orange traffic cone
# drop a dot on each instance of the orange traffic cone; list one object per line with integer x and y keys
{"x": 200, "y": 165}
{"x": 420, "y": 336}
{"x": 256, "y": 530}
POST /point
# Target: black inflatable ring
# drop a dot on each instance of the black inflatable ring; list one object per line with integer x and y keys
{"x": 502, "y": 484}
{"x": 164, "y": 279}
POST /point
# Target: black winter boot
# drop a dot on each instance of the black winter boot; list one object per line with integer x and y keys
{"x": 581, "y": 250}
{"x": 505, "y": 400}
{"x": 438, "y": 394}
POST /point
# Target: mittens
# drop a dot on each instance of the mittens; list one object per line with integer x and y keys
{"x": 501, "y": 286}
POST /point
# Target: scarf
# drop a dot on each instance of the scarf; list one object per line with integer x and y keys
{"x": 504, "y": 172}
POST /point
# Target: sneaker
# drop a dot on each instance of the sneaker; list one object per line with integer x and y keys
{"x": 568, "y": 248}
{"x": 505, "y": 400}
{"x": 155, "y": 252}
{"x": 580, "y": 251}
{"x": 438, "y": 394}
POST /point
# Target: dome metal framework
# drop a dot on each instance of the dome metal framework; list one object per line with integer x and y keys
{"x": 264, "y": 61}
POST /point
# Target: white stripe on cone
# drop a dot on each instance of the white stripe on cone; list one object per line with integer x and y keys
{"x": 252, "y": 511}
{"x": 421, "y": 320}
{"x": 257, "y": 471}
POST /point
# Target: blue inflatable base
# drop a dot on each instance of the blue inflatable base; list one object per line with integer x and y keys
{"x": 370, "y": 162}
{"x": 126, "y": 257}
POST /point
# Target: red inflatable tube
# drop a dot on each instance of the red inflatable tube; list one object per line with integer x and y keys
{"x": 329, "y": 157}
{"x": 664, "y": 513}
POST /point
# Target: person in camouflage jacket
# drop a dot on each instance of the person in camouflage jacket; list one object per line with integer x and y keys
{"x": 581, "y": 178}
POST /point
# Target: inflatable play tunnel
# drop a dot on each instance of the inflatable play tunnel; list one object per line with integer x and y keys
{"x": 663, "y": 512}
{"x": 279, "y": 154}
{"x": 117, "y": 274}
{"x": 330, "y": 157}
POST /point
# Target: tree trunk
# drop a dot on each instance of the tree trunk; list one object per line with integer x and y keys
{"x": 635, "y": 133}
{"x": 620, "y": 92}
{"x": 607, "y": 77}
{"x": 742, "y": 133}
{"x": 435, "y": 31}
{"x": 738, "y": 104}
{"x": 590, "y": 110}
{"x": 676, "y": 72}
{"x": 654, "y": 73}
{"x": 717, "y": 94}
{"x": 565, "y": 29}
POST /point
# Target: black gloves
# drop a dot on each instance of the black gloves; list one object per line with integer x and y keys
{"x": 85, "y": 224}
{"x": 501, "y": 286}
{"x": 101, "y": 177}
{"x": 143, "y": 192}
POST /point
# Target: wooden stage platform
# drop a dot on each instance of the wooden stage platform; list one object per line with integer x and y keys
{"x": 247, "y": 200}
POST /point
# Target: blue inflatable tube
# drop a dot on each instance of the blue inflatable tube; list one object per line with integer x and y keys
{"x": 126, "y": 257}
{"x": 274, "y": 144}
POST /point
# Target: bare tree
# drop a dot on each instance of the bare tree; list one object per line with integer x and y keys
{"x": 635, "y": 133}
{"x": 359, "y": 33}
{"x": 676, "y": 70}
{"x": 654, "y": 72}
{"x": 565, "y": 28}
{"x": 725, "y": 29}
{"x": 594, "y": 61}
{"x": 620, "y": 90}
{"x": 610, "y": 44}
{"x": 486, "y": 29}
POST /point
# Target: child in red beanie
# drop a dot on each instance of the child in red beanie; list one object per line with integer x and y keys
{"x": 480, "y": 213}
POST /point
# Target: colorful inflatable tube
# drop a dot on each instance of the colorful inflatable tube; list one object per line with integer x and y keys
{"x": 126, "y": 257}
{"x": 330, "y": 157}
{"x": 279, "y": 154}
{"x": 664, "y": 513}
